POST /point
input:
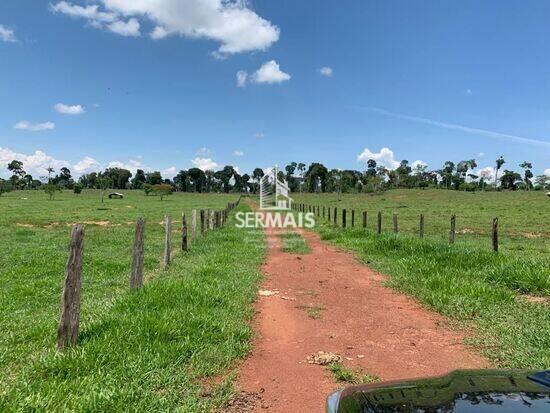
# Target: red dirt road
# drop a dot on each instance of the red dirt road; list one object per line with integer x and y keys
{"x": 370, "y": 326}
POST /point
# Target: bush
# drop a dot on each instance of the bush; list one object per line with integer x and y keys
{"x": 162, "y": 190}
{"x": 77, "y": 189}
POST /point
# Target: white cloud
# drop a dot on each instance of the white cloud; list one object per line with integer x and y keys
{"x": 385, "y": 157}
{"x": 481, "y": 155}
{"x": 270, "y": 73}
{"x": 126, "y": 29}
{"x": 91, "y": 12}
{"x": 34, "y": 127}
{"x": 159, "y": 33}
{"x": 238, "y": 153}
{"x": 34, "y": 164}
{"x": 132, "y": 165}
{"x": 205, "y": 164}
{"x": 546, "y": 172}
{"x": 326, "y": 71}
{"x": 87, "y": 165}
{"x": 231, "y": 23}
{"x": 7, "y": 35}
{"x": 241, "y": 78}
{"x": 99, "y": 19}
{"x": 70, "y": 109}
{"x": 259, "y": 135}
{"x": 169, "y": 172}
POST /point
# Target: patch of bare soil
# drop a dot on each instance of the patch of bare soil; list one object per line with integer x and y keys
{"x": 97, "y": 223}
{"x": 536, "y": 299}
{"x": 367, "y": 325}
{"x": 23, "y": 225}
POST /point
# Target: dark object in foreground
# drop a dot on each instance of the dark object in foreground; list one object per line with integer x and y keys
{"x": 116, "y": 195}
{"x": 461, "y": 391}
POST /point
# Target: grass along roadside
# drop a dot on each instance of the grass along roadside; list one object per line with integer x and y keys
{"x": 294, "y": 243}
{"x": 477, "y": 289}
{"x": 151, "y": 350}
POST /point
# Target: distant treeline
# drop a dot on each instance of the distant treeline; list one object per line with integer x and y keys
{"x": 314, "y": 178}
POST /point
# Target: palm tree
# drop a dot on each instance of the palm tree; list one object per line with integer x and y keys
{"x": 500, "y": 161}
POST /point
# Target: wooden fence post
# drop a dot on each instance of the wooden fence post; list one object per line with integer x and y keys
{"x": 211, "y": 220}
{"x": 379, "y": 222}
{"x": 335, "y": 215}
{"x": 167, "y": 241}
{"x": 395, "y": 224}
{"x": 421, "y": 226}
{"x": 136, "y": 278}
{"x": 324, "y": 212}
{"x": 495, "y": 234}
{"x": 202, "y": 221}
{"x": 353, "y": 218}
{"x": 67, "y": 331}
{"x": 328, "y": 216}
{"x": 364, "y": 219}
{"x": 183, "y": 232}
{"x": 193, "y": 224}
{"x": 453, "y": 229}
{"x": 343, "y": 218}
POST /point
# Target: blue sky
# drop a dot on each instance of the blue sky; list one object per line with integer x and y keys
{"x": 153, "y": 83}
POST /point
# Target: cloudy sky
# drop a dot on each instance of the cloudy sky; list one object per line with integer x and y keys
{"x": 172, "y": 84}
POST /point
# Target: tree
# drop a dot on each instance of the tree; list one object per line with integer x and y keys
{"x": 162, "y": 190}
{"x": 543, "y": 181}
{"x": 316, "y": 177}
{"x": 51, "y": 190}
{"x": 225, "y": 176}
{"x": 104, "y": 183}
{"x": 77, "y": 188}
{"x": 5, "y": 186}
{"x": 119, "y": 177}
{"x": 147, "y": 188}
{"x": 527, "y": 175}
{"x": 50, "y": 172}
{"x": 403, "y": 171}
{"x": 197, "y": 179}
{"x": 16, "y": 167}
{"x": 139, "y": 179}
{"x": 446, "y": 174}
{"x": 371, "y": 168}
{"x": 181, "y": 181}
{"x": 509, "y": 179}
{"x": 89, "y": 180}
{"x": 153, "y": 178}
{"x": 257, "y": 174}
{"x": 500, "y": 161}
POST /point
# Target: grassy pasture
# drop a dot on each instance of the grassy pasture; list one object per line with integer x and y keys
{"x": 34, "y": 234}
{"x": 524, "y": 218}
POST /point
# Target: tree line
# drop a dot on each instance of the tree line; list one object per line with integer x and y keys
{"x": 300, "y": 178}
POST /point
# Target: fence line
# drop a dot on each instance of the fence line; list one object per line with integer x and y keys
{"x": 69, "y": 322}
{"x": 331, "y": 217}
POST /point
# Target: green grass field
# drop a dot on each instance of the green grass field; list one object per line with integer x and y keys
{"x": 524, "y": 218}
{"x": 491, "y": 294}
{"x": 189, "y": 322}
